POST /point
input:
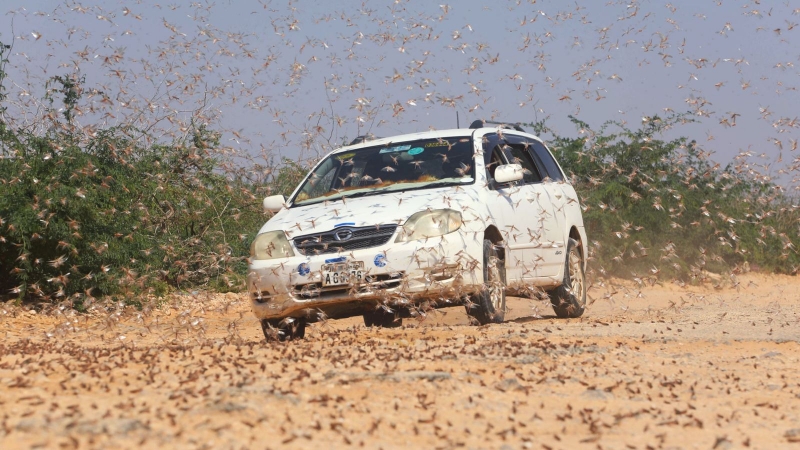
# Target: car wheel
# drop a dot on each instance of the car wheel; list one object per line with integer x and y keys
{"x": 283, "y": 329}
{"x": 489, "y": 305}
{"x": 569, "y": 299}
{"x": 382, "y": 318}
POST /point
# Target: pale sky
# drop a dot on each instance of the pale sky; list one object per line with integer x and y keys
{"x": 258, "y": 70}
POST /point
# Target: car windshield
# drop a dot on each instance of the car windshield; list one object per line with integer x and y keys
{"x": 388, "y": 168}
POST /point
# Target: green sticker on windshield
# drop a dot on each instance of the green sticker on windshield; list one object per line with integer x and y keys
{"x": 416, "y": 151}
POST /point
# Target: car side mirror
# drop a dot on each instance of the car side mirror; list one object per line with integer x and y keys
{"x": 507, "y": 173}
{"x": 274, "y": 203}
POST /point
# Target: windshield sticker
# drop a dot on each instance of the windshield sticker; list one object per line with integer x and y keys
{"x": 416, "y": 151}
{"x": 345, "y": 156}
{"x": 398, "y": 148}
{"x": 438, "y": 144}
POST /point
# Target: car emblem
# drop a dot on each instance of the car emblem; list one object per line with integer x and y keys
{"x": 343, "y": 235}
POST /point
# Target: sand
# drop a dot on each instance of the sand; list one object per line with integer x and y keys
{"x": 664, "y": 366}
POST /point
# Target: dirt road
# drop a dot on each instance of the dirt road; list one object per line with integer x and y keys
{"x": 656, "y": 367}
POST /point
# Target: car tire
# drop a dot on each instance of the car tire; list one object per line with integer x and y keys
{"x": 382, "y": 318}
{"x": 489, "y": 305}
{"x": 569, "y": 299}
{"x": 283, "y": 329}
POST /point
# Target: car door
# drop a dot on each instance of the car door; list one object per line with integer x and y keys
{"x": 524, "y": 214}
{"x": 554, "y": 183}
{"x": 542, "y": 245}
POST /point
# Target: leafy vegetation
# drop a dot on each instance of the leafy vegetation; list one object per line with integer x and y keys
{"x": 114, "y": 215}
{"x": 660, "y": 208}
{"x": 118, "y": 218}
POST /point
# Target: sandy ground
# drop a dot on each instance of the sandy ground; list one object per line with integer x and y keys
{"x": 646, "y": 367}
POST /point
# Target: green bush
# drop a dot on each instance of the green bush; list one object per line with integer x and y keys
{"x": 660, "y": 207}
{"x": 115, "y": 217}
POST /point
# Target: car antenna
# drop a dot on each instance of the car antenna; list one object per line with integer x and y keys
{"x": 458, "y": 125}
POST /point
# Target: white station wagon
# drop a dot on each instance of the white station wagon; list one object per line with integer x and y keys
{"x": 392, "y": 227}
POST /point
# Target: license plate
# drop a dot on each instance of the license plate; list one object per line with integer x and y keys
{"x": 342, "y": 273}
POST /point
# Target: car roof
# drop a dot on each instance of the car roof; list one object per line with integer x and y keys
{"x": 430, "y": 134}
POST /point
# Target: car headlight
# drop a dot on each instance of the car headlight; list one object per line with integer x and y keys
{"x": 431, "y": 223}
{"x": 271, "y": 245}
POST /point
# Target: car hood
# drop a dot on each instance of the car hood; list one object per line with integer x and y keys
{"x": 388, "y": 208}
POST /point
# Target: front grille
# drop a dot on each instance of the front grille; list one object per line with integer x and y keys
{"x": 344, "y": 239}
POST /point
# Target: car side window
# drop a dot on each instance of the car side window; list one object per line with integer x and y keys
{"x": 540, "y": 152}
{"x": 496, "y": 160}
{"x": 516, "y": 154}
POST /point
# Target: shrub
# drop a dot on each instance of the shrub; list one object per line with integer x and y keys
{"x": 661, "y": 207}
{"x": 116, "y": 217}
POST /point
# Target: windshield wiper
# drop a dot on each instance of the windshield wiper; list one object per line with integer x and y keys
{"x": 340, "y": 196}
{"x": 439, "y": 183}
{"x": 360, "y": 194}
{"x": 381, "y": 190}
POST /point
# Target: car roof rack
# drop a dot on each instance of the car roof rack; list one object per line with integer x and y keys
{"x": 480, "y": 123}
{"x": 363, "y": 138}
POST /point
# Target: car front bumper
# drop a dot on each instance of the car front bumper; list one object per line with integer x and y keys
{"x": 395, "y": 274}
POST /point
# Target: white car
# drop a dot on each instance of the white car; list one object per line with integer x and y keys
{"x": 389, "y": 228}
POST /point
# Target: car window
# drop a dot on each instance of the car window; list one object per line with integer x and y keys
{"x": 540, "y": 152}
{"x": 396, "y": 166}
{"x": 495, "y": 159}
{"x": 517, "y": 154}
{"x": 490, "y": 142}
